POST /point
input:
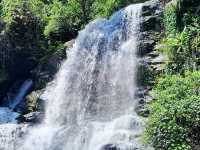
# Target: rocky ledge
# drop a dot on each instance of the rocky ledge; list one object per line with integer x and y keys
{"x": 151, "y": 63}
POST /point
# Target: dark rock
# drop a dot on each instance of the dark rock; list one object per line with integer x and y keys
{"x": 145, "y": 75}
{"x": 150, "y": 35}
{"x": 142, "y": 107}
{"x": 142, "y": 101}
{"x": 117, "y": 147}
{"x": 69, "y": 44}
{"x": 146, "y": 46}
{"x": 11, "y": 93}
{"x": 152, "y": 7}
{"x": 151, "y": 29}
{"x": 109, "y": 147}
{"x": 34, "y": 102}
{"x": 15, "y": 96}
{"x": 47, "y": 68}
{"x": 142, "y": 110}
{"x": 4, "y": 86}
{"x": 139, "y": 94}
{"x": 151, "y": 23}
{"x": 153, "y": 54}
{"x": 2, "y": 25}
{"x": 33, "y": 117}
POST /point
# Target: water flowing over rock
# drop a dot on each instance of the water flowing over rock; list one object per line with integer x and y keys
{"x": 10, "y": 134}
{"x": 17, "y": 93}
{"x": 7, "y": 115}
{"x": 22, "y": 92}
{"x": 91, "y": 103}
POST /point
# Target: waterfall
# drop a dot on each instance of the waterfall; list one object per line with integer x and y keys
{"x": 91, "y": 102}
{"x": 10, "y": 131}
{"x": 20, "y": 95}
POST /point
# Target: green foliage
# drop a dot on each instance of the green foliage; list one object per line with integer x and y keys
{"x": 175, "y": 113}
{"x": 9, "y": 7}
{"x": 40, "y": 27}
{"x": 61, "y": 20}
{"x": 104, "y": 8}
{"x": 64, "y": 21}
{"x": 170, "y": 17}
{"x": 181, "y": 43}
{"x": 181, "y": 50}
{"x": 23, "y": 32}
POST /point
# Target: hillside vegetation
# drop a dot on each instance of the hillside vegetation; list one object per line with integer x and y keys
{"x": 174, "y": 123}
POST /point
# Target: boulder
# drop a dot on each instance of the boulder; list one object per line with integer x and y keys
{"x": 142, "y": 110}
{"x": 118, "y": 147}
{"x": 151, "y": 23}
{"x": 47, "y": 68}
{"x": 33, "y": 117}
{"x": 32, "y": 101}
{"x": 152, "y": 7}
{"x": 109, "y": 147}
{"x": 49, "y": 65}
{"x": 146, "y": 46}
{"x": 69, "y": 44}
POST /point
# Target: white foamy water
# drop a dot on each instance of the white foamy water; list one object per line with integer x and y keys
{"x": 91, "y": 102}
{"x": 10, "y": 133}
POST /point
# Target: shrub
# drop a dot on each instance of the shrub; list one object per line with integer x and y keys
{"x": 67, "y": 18}
{"x": 174, "y": 123}
{"x": 24, "y": 33}
{"x": 64, "y": 21}
{"x": 170, "y": 17}
{"x": 104, "y": 8}
{"x": 9, "y": 7}
{"x": 181, "y": 41}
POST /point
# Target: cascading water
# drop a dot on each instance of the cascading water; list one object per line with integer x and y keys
{"x": 9, "y": 129}
{"x": 22, "y": 92}
{"x": 91, "y": 102}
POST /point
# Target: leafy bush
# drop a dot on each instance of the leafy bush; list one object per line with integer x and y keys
{"x": 174, "y": 123}
{"x": 181, "y": 43}
{"x": 9, "y": 7}
{"x": 170, "y": 17}
{"x": 64, "y": 21}
{"x": 24, "y": 34}
{"x": 67, "y": 18}
{"x": 104, "y": 8}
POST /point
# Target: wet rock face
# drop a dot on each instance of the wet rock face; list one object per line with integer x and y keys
{"x": 47, "y": 68}
{"x": 151, "y": 8}
{"x": 34, "y": 102}
{"x": 109, "y": 147}
{"x": 150, "y": 62}
{"x": 118, "y": 147}
{"x": 151, "y": 26}
{"x": 32, "y": 118}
